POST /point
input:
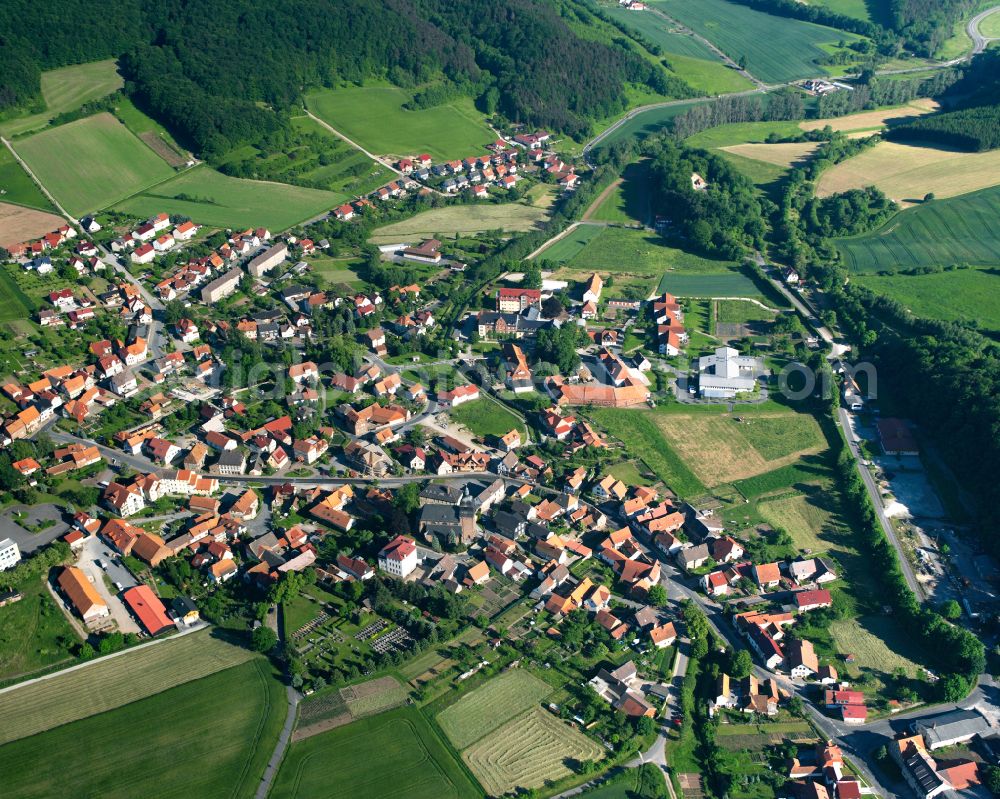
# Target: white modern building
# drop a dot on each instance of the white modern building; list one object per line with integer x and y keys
{"x": 9, "y": 554}
{"x": 726, "y": 373}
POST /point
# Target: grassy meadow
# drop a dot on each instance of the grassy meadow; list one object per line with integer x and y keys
{"x": 92, "y": 163}
{"x": 66, "y": 89}
{"x": 629, "y": 201}
{"x": 486, "y": 417}
{"x": 17, "y": 187}
{"x": 481, "y": 711}
{"x": 211, "y": 198}
{"x": 33, "y": 632}
{"x": 374, "y": 118}
{"x": 209, "y": 737}
{"x": 463, "y": 220}
{"x": 940, "y": 233}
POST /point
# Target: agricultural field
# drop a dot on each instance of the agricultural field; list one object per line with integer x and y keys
{"x": 14, "y": 303}
{"x": 776, "y": 49}
{"x": 486, "y": 417}
{"x": 152, "y": 133}
{"x": 570, "y": 245}
{"x": 108, "y": 683}
{"x": 463, "y": 220}
{"x": 211, "y": 198}
{"x": 638, "y": 431}
{"x": 34, "y": 633}
{"x": 374, "y": 118}
{"x": 859, "y": 9}
{"x": 874, "y": 120}
{"x": 786, "y": 155}
{"x": 965, "y": 295}
{"x": 689, "y": 58}
{"x": 527, "y": 751}
{"x": 373, "y": 697}
{"x": 482, "y": 710}
{"x": 17, "y": 187}
{"x": 210, "y": 737}
{"x": 92, "y": 163}
{"x": 907, "y": 172}
{"x": 803, "y": 517}
{"x": 648, "y": 122}
{"x": 18, "y": 223}
{"x": 940, "y": 233}
{"x": 66, "y": 89}
{"x": 394, "y": 754}
{"x": 718, "y": 449}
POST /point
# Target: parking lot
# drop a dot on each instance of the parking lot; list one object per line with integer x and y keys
{"x": 95, "y": 551}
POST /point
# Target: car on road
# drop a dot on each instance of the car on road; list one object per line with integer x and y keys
{"x": 99, "y": 563}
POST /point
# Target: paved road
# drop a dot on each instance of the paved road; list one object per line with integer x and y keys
{"x": 26, "y": 540}
{"x": 980, "y": 42}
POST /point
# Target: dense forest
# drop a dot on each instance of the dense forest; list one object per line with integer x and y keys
{"x": 972, "y": 121}
{"x": 223, "y": 73}
{"x": 724, "y": 219}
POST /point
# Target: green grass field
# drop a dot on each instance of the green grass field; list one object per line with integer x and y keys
{"x": 965, "y": 295}
{"x": 337, "y": 271}
{"x": 17, "y": 187}
{"x": 209, "y": 737}
{"x": 689, "y": 59}
{"x": 211, "y": 198}
{"x": 108, "y": 683}
{"x": 374, "y": 118}
{"x": 481, "y": 711}
{"x": 485, "y": 417}
{"x": 940, "y": 233}
{"x": 876, "y": 644}
{"x": 648, "y": 122}
{"x": 570, "y": 245}
{"x": 729, "y": 284}
{"x": 801, "y": 517}
{"x": 776, "y": 49}
{"x": 528, "y": 751}
{"x": 859, "y": 9}
{"x": 637, "y": 430}
{"x": 395, "y": 754}
{"x": 66, "y": 89}
{"x": 463, "y": 220}
{"x": 990, "y": 27}
{"x": 14, "y": 303}
{"x": 740, "y": 312}
{"x": 630, "y": 201}
{"x": 92, "y": 163}
{"x": 34, "y": 633}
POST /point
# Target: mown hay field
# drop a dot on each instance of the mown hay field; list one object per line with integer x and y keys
{"x": 801, "y": 517}
{"x": 908, "y": 172}
{"x": 482, "y": 710}
{"x": 18, "y": 223}
{"x": 209, "y": 737}
{"x": 872, "y": 120}
{"x": 92, "y": 163}
{"x": 786, "y": 154}
{"x": 527, "y": 751}
{"x": 718, "y": 449}
{"x": 940, "y": 233}
{"x": 463, "y": 220}
{"x": 111, "y": 682}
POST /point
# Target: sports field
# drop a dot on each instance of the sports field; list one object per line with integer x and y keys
{"x": 394, "y": 754}
{"x": 374, "y": 118}
{"x": 481, "y": 711}
{"x": 906, "y": 172}
{"x": 464, "y": 220}
{"x": 784, "y": 155}
{"x": 688, "y": 58}
{"x": 18, "y": 223}
{"x": 776, "y": 48}
{"x": 527, "y": 751}
{"x": 873, "y": 120}
{"x": 486, "y": 417}
{"x": 209, "y": 737}
{"x": 944, "y": 232}
{"x": 92, "y": 163}
{"x": 211, "y": 198}
{"x": 66, "y": 89}
{"x": 719, "y": 449}
{"x": 17, "y": 187}
{"x": 965, "y": 295}
{"x": 111, "y": 682}
{"x": 801, "y": 517}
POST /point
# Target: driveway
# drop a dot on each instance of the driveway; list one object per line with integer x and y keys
{"x": 26, "y": 540}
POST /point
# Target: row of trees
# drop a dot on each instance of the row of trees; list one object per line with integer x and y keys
{"x": 781, "y": 105}
{"x": 976, "y": 129}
